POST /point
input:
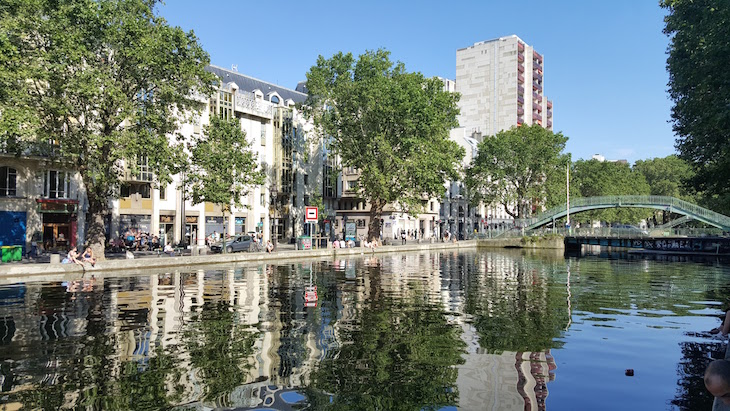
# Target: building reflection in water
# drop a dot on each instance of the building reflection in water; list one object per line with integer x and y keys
{"x": 150, "y": 316}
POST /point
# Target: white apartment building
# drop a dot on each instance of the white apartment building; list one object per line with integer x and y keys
{"x": 501, "y": 86}
{"x": 46, "y": 205}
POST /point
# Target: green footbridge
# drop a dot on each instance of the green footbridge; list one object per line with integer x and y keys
{"x": 674, "y": 205}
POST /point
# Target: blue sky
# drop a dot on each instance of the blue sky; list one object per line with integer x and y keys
{"x": 605, "y": 61}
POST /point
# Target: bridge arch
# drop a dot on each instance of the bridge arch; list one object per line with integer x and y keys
{"x": 672, "y": 204}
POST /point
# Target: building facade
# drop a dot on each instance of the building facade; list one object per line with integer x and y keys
{"x": 501, "y": 86}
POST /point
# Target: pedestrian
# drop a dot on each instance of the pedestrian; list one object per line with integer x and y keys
{"x": 403, "y": 237}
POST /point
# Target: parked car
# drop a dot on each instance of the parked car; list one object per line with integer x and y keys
{"x": 234, "y": 244}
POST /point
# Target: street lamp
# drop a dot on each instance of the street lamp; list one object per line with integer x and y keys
{"x": 274, "y": 199}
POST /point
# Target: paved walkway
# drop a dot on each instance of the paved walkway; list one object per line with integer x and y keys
{"x": 144, "y": 261}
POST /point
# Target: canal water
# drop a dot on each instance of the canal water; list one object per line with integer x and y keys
{"x": 475, "y": 330}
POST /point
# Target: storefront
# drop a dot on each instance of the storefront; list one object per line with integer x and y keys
{"x": 191, "y": 229}
{"x": 240, "y": 225}
{"x": 13, "y": 232}
{"x": 58, "y": 217}
{"x": 214, "y": 224}
{"x": 134, "y": 223}
{"x": 167, "y": 229}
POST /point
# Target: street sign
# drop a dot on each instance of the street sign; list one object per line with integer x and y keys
{"x": 311, "y": 215}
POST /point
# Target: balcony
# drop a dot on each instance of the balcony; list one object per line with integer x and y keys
{"x": 536, "y": 56}
{"x": 537, "y": 107}
{"x": 520, "y": 90}
{"x": 520, "y": 57}
{"x": 549, "y": 104}
{"x": 520, "y": 46}
{"x": 549, "y": 124}
{"x": 520, "y": 68}
{"x": 520, "y": 78}
{"x": 549, "y": 113}
{"x": 536, "y": 65}
{"x": 520, "y": 121}
{"x": 520, "y": 111}
{"x": 536, "y": 86}
{"x": 247, "y": 103}
{"x": 536, "y": 97}
{"x": 520, "y": 99}
{"x": 536, "y": 117}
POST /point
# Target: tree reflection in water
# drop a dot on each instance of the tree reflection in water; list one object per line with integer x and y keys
{"x": 219, "y": 348}
{"x": 402, "y": 357}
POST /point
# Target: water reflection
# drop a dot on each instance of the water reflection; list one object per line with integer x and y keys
{"x": 476, "y": 330}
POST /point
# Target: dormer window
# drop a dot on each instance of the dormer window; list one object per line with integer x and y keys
{"x": 274, "y": 99}
{"x": 258, "y": 95}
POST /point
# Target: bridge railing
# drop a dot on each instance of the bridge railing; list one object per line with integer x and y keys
{"x": 673, "y": 204}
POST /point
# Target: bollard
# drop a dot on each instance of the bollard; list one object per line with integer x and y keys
{"x": 55, "y": 258}
{"x": 193, "y": 250}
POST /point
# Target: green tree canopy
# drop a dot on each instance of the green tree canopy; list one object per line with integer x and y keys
{"x": 595, "y": 178}
{"x": 223, "y": 167}
{"x": 392, "y": 125}
{"x": 697, "y": 64}
{"x": 668, "y": 176}
{"x": 105, "y": 81}
{"x": 515, "y": 168}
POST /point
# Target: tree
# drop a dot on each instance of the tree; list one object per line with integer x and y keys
{"x": 697, "y": 65}
{"x": 513, "y": 169}
{"x": 106, "y": 82}
{"x": 392, "y": 125}
{"x": 609, "y": 178}
{"x": 668, "y": 176}
{"x": 223, "y": 167}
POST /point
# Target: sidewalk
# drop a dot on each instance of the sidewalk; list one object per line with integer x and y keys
{"x": 40, "y": 269}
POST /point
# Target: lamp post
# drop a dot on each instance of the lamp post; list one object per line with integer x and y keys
{"x": 274, "y": 199}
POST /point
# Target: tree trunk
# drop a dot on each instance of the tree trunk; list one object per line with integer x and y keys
{"x": 376, "y": 214}
{"x": 96, "y": 236}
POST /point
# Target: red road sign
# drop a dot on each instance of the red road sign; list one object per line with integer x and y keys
{"x": 311, "y": 215}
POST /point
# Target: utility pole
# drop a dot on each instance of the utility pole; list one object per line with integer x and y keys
{"x": 567, "y": 194}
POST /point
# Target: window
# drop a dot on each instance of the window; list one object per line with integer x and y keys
{"x": 163, "y": 192}
{"x": 129, "y": 189}
{"x": 306, "y": 200}
{"x": 275, "y": 100}
{"x": 225, "y": 105}
{"x": 262, "y": 200}
{"x": 263, "y": 133}
{"x": 55, "y": 184}
{"x": 144, "y": 169}
{"x": 306, "y": 179}
{"x": 8, "y": 177}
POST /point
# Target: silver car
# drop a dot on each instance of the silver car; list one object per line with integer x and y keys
{"x": 234, "y": 244}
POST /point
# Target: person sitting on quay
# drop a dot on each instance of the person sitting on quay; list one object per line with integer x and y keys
{"x": 88, "y": 257}
{"x": 169, "y": 250}
{"x": 72, "y": 257}
{"x": 724, "y": 327}
{"x": 717, "y": 380}
{"x": 269, "y": 246}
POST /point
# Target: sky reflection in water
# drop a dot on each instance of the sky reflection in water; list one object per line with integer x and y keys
{"x": 474, "y": 330}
